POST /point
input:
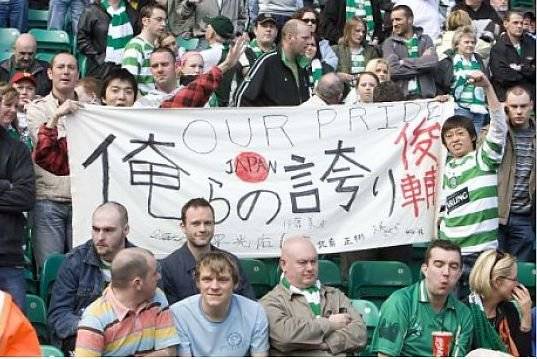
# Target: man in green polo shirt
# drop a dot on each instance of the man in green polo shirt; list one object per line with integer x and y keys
{"x": 410, "y": 315}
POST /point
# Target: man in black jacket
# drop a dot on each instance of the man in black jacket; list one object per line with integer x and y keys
{"x": 279, "y": 78}
{"x": 512, "y": 58}
{"x": 17, "y": 195}
{"x": 23, "y": 60}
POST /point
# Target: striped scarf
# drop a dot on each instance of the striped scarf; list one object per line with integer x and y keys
{"x": 463, "y": 91}
{"x": 485, "y": 335}
{"x": 357, "y": 61}
{"x": 311, "y": 294}
{"x": 119, "y": 31}
{"x": 363, "y": 9}
{"x": 412, "y": 49}
{"x": 316, "y": 72}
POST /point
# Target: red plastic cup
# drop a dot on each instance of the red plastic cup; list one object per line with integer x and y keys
{"x": 441, "y": 343}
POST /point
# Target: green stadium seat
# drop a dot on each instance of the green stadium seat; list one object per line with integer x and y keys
{"x": 370, "y": 314}
{"x": 329, "y": 273}
{"x": 188, "y": 44}
{"x": 51, "y": 351}
{"x": 522, "y": 5}
{"x": 376, "y": 280}
{"x": 7, "y": 38}
{"x": 36, "y": 312}
{"x": 45, "y": 56}
{"x": 526, "y": 275}
{"x": 37, "y": 19}
{"x": 82, "y": 65}
{"x": 258, "y": 275}
{"x": 52, "y": 41}
{"x": 48, "y": 274}
{"x": 4, "y": 55}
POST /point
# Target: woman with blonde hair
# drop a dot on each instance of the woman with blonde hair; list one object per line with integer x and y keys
{"x": 456, "y": 20}
{"x": 353, "y": 51}
{"x": 500, "y": 305}
{"x": 379, "y": 67}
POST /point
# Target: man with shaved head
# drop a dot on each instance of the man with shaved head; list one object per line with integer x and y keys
{"x": 132, "y": 317}
{"x": 23, "y": 60}
{"x": 85, "y": 272}
{"x": 305, "y": 317}
{"x": 279, "y": 78}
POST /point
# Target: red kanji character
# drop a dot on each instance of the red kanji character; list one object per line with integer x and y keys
{"x": 411, "y": 188}
{"x": 402, "y": 136}
{"x": 424, "y": 145}
{"x": 429, "y": 182}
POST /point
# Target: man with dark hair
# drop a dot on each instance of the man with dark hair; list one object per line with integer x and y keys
{"x": 132, "y": 317}
{"x": 512, "y": 58}
{"x": 528, "y": 24}
{"x": 207, "y": 322}
{"x": 411, "y": 55}
{"x": 265, "y": 32}
{"x": 279, "y": 78}
{"x": 410, "y": 315}
{"x": 469, "y": 188}
{"x": 85, "y": 272}
{"x": 23, "y": 59}
{"x": 388, "y": 91}
{"x": 197, "y": 223}
{"x": 516, "y": 178}
{"x": 162, "y": 63}
{"x": 139, "y": 48}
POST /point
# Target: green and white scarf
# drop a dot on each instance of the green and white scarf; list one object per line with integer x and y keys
{"x": 256, "y": 49}
{"x": 311, "y": 294}
{"x": 357, "y": 61}
{"x": 363, "y": 9}
{"x": 485, "y": 335}
{"x": 413, "y": 53}
{"x": 119, "y": 31}
{"x": 466, "y": 94}
{"x": 316, "y": 72}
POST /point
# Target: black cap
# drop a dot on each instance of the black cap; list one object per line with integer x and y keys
{"x": 265, "y": 17}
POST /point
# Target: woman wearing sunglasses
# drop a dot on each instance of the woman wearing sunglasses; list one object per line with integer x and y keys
{"x": 500, "y": 305}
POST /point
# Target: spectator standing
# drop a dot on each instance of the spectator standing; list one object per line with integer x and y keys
{"x": 217, "y": 322}
{"x": 265, "y": 32}
{"x": 14, "y": 13}
{"x": 25, "y": 85}
{"x": 338, "y": 12}
{"x": 353, "y": 50}
{"x": 17, "y": 195}
{"x": 411, "y": 56}
{"x": 305, "y": 317}
{"x": 512, "y": 58}
{"x": 139, "y": 48}
{"x": 426, "y": 15}
{"x": 279, "y": 78}
{"x": 500, "y": 305}
{"x": 51, "y": 226}
{"x": 58, "y": 10}
{"x": 104, "y": 30}
{"x": 281, "y": 10}
{"x": 516, "y": 178}
{"x": 17, "y": 336}
{"x": 132, "y": 315}
{"x": 24, "y": 60}
{"x": 410, "y": 315}
{"x": 452, "y": 77}
{"x": 85, "y": 272}
{"x": 197, "y": 223}
{"x": 529, "y": 23}
{"x": 482, "y": 14}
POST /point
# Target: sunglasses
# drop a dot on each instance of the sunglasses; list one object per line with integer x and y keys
{"x": 311, "y": 21}
{"x": 500, "y": 255}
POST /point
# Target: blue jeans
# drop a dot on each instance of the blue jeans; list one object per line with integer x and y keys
{"x": 51, "y": 229}
{"x": 477, "y": 118}
{"x": 12, "y": 281}
{"x": 14, "y": 13}
{"x": 58, "y": 9}
{"x": 518, "y": 237}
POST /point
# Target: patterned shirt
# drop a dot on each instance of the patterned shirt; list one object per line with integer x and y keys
{"x": 136, "y": 61}
{"x": 51, "y": 151}
{"x": 196, "y": 93}
{"x": 525, "y": 161}
{"x": 108, "y": 328}
{"x": 470, "y": 192}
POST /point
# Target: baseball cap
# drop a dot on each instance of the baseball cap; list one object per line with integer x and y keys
{"x": 221, "y": 25}
{"x": 20, "y": 76}
{"x": 264, "y": 17}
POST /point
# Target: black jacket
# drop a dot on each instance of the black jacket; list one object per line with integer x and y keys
{"x": 485, "y": 12}
{"x": 38, "y": 69}
{"x": 502, "y": 54}
{"x": 334, "y": 18}
{"x": 17, "y": 195}
{"x": 444, "y": 72}
{"x": 92, "y": 31}
{"x": 271, "y": 83}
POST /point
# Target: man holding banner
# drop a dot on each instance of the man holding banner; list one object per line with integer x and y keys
{"x": 197, "y": 223}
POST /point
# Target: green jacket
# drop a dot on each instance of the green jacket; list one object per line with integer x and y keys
{"x": 343, "y": 53}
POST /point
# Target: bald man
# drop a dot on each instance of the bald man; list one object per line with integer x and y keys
{"x": 329, "y": 91}
{"x": 279, "y": 78}
{"x": 305, "y": 317}
{"x": 132, "y": 317}
{"x": 23, "y": 59}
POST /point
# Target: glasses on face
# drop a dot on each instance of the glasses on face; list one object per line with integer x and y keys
{"x": 310, "y": 21}
{"x": 510, "y": 279}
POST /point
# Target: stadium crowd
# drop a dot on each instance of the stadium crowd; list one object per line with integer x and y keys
{"x": 112, "y": 298}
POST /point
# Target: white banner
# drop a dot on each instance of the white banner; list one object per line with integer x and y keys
{"x": 351, "y": 177}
